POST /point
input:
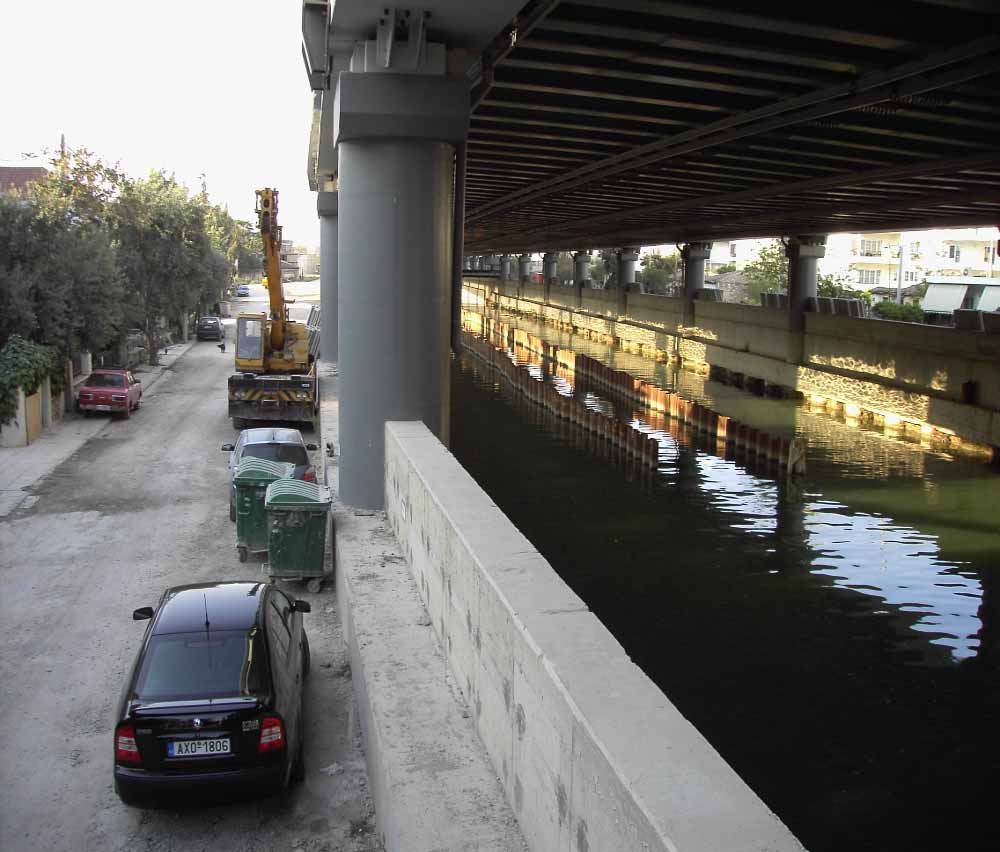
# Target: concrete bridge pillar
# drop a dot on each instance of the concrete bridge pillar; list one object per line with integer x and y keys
{"x": 396, "y": 136}
{"x": 581, "y": 274}
{"x": 627, "y": 258}
{"x": 803, "y": 253}
{"x": 694, "y": 255}
{"x": 326, "y": 207}
{"x": 550, "y": 261}
{"x": 504, "y": 267}
{"x": 523, "y": 272}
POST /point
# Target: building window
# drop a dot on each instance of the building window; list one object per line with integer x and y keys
{"x": 915, "y": 249}
{"x": 732, "y": 249}
{"x": 954, "y": 253}
{"x": 871, "y": 248}
{"x": 909, "y": 276}
{"x": 869, "y": 277}
{"x": 989, "y": 255}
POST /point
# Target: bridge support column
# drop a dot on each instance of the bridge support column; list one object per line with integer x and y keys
{"x": 694, "y": 255}
{"x": 803, "y": 253}
{"x": 326, "y": 207}
{"x": 396, "y": 175}
{"x": 581, "y": 274}
{"x": 550, "y": 262}
{"x": 505, "y": 267}
{"x": 627, "y": 258}
{"x": 523, "y": 272}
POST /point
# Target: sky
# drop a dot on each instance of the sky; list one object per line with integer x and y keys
{"x": 213, "y": 87}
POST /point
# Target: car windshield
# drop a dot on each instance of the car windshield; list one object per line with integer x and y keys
{"x": 205, "y": 664}
{"x": 105, "y": 380}
{"x": 294, "y": 453}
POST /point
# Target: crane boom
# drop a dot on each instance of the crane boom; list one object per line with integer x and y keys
{"x": 270, "y": 234}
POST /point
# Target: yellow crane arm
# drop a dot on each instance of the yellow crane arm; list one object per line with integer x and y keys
{"x": 270, "y": 234}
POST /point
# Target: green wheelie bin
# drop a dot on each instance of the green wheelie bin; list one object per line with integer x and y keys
{"x": 298, "y": 516}
{"x": 252, "y": 478}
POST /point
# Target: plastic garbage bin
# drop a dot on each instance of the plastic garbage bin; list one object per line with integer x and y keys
{"x": 298, "y": 516}
{"x": 253, "y": 476}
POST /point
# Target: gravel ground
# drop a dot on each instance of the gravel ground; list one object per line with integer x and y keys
{"x": 142, "y": 506}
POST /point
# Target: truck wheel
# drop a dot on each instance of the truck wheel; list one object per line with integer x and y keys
{"x": 232, "y": 512}
{"x": 314, "y": 585}
{"x": 242, "y": 552}
{"x": 127, "y": 413}
{"x": 239, "y": 423}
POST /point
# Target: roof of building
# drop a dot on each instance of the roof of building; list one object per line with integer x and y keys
{"x": 18, "y": 177}
{"x": 727, "y": 279}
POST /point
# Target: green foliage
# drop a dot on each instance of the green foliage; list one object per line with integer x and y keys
{"x": 24, "y": 364}
{"x": 657, "y": 272}
{"x": 767, "y": 273}
{"x": 903, "y": 313}
{"x": 836, "y": 287}
{"x": 60, "y": 284}
{"x": 726, "y": 267}
{"x": 564, "y": 266}
{"x": 89, "y": 252}
{"x": 168, "y": 261}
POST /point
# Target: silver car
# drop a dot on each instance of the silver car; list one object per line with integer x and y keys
{"x": 272, "y": 444}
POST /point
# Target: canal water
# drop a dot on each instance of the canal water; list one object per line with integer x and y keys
{"x": 835, "y": 638}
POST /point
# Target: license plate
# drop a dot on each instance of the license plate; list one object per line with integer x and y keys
{"x": 197, "y": 748}
{"x": 103, "y": 407}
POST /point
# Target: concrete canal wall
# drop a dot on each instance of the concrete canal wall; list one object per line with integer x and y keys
{"x": 590, "y": 753}
{"x": 932, "y": 379}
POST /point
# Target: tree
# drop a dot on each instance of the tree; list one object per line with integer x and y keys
{"x": 167, "y": 257}
{"x": 565, "y": 270}
{"x": 61, "y": 284}
{"x": 767, "y": 273}
{"x": 657, "y": 273}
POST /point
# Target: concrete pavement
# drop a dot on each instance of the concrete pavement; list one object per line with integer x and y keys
{"x": 22, "y": 467}
{"x": 122, "y": 513}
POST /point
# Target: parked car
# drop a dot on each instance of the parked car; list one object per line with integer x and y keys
{"x": 115, "y": 391}
{"x": 214, "y": 697}
{"x": 243, "y": 290}
{"x": 210, "y": 328}
{"x": 279, "y": 445}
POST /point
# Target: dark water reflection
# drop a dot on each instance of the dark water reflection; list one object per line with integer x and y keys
{"x": 835, "y": 639}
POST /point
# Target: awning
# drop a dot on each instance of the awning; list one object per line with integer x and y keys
{"x": 990, "y": 300}
{"x": 943, "y": 298}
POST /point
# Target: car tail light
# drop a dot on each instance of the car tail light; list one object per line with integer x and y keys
{"x": 126, "y": 750}
{"x": 309, "y": 475}
{"x": 272, "y": 734}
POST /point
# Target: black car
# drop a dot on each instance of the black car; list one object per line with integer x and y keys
{"x": 210, "y": 328}
{"x": 214, "y": 698}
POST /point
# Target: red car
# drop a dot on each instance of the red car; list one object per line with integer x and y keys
{"x": 116, "y": 391}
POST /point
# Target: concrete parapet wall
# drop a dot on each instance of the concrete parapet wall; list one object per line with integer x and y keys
{"x": 745, "y": 328}
{"x": 919, "y": 357}
{"x": 530, "y": 290}
{"x": 913, "y": 372}
{"x": 664, "y": 311}
{"x": 601, "y": 302}
{"x": 589, "y": 751}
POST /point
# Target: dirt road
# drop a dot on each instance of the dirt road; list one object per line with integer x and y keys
{"x": 142, "y": 506}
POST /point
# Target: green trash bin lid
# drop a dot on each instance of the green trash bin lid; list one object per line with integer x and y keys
{"x": 294, "y": 494}
{"x": 261, "y": 470}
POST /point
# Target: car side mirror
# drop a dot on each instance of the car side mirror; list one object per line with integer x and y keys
{"x": 311, "y": 447}
{"x": 228, "y": 448}
{"x": 142, "y": 614}
{"x": 303, "y": 606}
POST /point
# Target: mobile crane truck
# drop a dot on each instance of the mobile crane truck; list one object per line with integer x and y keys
{"x": 275, "y": 376}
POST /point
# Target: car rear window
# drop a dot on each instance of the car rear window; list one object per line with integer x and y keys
{"x": 205, "y": 664}
{"x": 105, "y": 380}
{"x": 278, "y": 452}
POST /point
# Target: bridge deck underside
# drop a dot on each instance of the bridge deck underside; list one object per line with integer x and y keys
{"x": 620, "y": 122}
